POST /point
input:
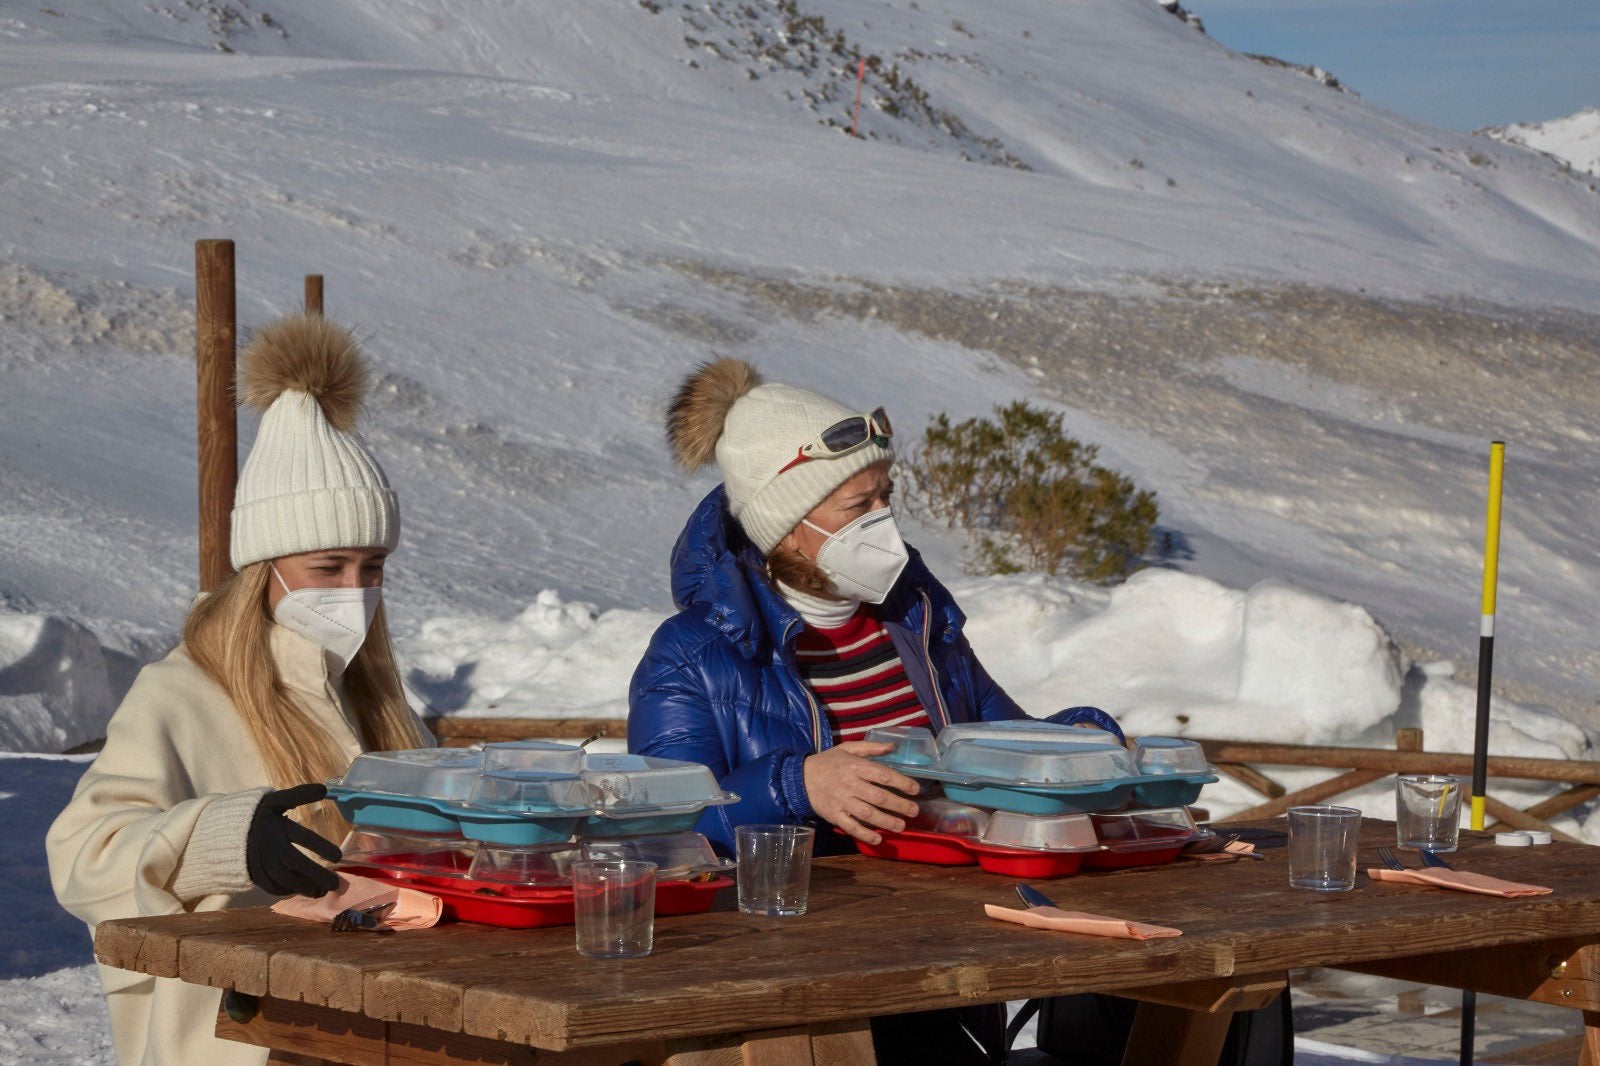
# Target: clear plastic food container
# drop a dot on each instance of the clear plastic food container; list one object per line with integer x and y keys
{"x": 913, "y": 744}
{"x": 1136, "y": 827}
{"x": 540, "y": 865}
{"x": 637, "y": 781}
{"x": 533, "y": 756}
{"x": 1038, "y": 764}
{"x": 408, "y": 853}
{"x": 531, "y": 793}
{"x": 1041, "y": 832}
{"x": 433, "y": 773}
{"x": 949, "y": 817}
{"x": 1027, "y": 731}
{"x": 678, "y": 856}
{"x": 1169, "y": 755}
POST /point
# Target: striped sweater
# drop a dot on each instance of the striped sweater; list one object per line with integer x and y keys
{"x": 857, "y": 676}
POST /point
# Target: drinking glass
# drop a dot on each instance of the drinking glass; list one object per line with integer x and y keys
{"x": 614, "y": 904}
{"x": 1427, "y": 812}
{"x": 1322, "y": 848}
{"x": 774, "y": 868}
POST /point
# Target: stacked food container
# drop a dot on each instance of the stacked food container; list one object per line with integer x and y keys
{"x": 493, "y": 831}
{"x": 1037, "y": 800}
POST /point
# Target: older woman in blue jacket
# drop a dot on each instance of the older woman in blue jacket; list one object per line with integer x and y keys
{"x": 804, "y": 620}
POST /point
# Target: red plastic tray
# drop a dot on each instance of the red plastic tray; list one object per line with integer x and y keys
{"x": 1020, "y": 862}
{"x": 523, "y": 907}
{"x": 688, "y": 897}
{"x": 918, "y": 845}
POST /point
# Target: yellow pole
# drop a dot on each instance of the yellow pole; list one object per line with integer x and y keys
{"x": 1491, "y": 576}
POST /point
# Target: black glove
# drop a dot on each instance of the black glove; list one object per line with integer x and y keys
{"x": 270, "y": 855}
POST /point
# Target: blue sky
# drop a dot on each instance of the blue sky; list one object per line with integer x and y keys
{"x": 1457, "y": 63}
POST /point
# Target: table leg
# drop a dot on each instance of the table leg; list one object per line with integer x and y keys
{"x": 1591, "y": 1039}
{"x": 1186, "y": 1024}
{"x": 1176, "y": 1036}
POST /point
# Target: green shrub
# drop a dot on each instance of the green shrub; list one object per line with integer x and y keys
{"x": 1030, "y": 496}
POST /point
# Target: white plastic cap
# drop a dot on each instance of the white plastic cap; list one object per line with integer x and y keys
{"x": 1515, "y": 839}
{"x": 1539, "y": 836}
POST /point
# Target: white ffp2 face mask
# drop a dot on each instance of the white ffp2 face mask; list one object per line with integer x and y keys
{"x": 863, "y": 559}
{"x": 337, "y": 619}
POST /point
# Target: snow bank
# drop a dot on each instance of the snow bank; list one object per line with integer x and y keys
{"x": 554, "y": 660}
{"x": 1172, "y": 653}
{"x": 1166, "y": 652}
{"x": 55, "y": 691}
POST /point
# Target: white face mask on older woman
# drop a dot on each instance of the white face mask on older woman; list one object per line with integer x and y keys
{"x": 863, "y": 559}
{"x": 336, "y": 618}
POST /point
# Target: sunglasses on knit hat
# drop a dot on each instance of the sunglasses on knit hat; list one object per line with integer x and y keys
{"x": 843, "y": 437}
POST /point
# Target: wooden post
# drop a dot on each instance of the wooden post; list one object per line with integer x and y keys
{"x": 314, "y": 294}
{"x": 215, "y": 338}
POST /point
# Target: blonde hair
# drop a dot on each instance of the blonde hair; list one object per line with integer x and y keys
{"x": 229, "y": 635}
{"x": 799, "y": 572}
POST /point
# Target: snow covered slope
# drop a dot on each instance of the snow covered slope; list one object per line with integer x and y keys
{"x": 541, "y": 214}
{"x": 1574, "y": 139}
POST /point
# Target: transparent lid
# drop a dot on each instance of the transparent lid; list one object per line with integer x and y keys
{"x": 1169, "y": 755}
{"x": 1160, "y": 824}
{"x": 948, "y": 816}
{"x": 540, "y": 864}
{"x": 913, "y": 744}
{"x": 531, "y": 792}
{"x": 1026, "y": 730}
{"x": 1041, "y": 832}
{"x": 631, "y": 781}
{"x": 413, "y": 853}
{"x": 433, "y": 773}
{"x": 1038, "y": 764}
{"x": 540, "y": 756}
{"x": 678, "y": 856}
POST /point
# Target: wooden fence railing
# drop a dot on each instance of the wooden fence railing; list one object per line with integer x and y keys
{"x": 1238, "y": 759}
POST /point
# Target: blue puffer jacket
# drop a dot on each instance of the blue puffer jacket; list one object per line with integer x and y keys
{"x": 718, "y": 684}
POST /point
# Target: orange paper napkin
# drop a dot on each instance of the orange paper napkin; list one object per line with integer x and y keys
{"x": 411, "y": 910}
{"x": 1461, "y": 880}
{"x": 1079, "y": 922}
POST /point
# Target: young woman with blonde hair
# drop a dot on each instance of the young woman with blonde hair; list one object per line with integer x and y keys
{"x": 209, "y": 784}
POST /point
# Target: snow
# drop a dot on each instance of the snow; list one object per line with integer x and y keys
{"x": 1574, "y": 138}
{"x": 1297, "y": 317}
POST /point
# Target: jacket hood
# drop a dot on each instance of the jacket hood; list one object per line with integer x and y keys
{"x": 715, "y": 565}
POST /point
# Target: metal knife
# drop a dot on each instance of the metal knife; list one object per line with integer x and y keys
{"x": 1033, "y": 897}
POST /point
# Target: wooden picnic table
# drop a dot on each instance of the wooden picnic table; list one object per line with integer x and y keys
{"x": 880, "y": 938}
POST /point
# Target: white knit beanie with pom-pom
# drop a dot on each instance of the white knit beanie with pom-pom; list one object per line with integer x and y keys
{"x": 724, "y": 411}
{"x": 309, "y": 483}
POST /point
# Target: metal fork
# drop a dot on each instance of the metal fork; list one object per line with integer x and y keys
{"x": 354, "y": 919}
{"x": 1390, "y": 859}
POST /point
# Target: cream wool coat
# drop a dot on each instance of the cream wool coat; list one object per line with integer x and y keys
{"x": 136, "y": 835}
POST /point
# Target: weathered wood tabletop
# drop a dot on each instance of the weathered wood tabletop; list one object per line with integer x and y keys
{"x": 884, "y": 937}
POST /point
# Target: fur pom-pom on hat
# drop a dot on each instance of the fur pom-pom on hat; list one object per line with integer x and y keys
{"x": 305, "y": 353}
{"x": 700, "y": 409}
{"x": 309, "y": 483}
{"x": 754, "y": 431}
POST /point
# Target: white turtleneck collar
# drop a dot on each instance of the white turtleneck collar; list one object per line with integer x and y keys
{"x": 818, "y": 612}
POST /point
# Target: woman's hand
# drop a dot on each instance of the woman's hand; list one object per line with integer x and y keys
{"x": 854, "y": 794}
